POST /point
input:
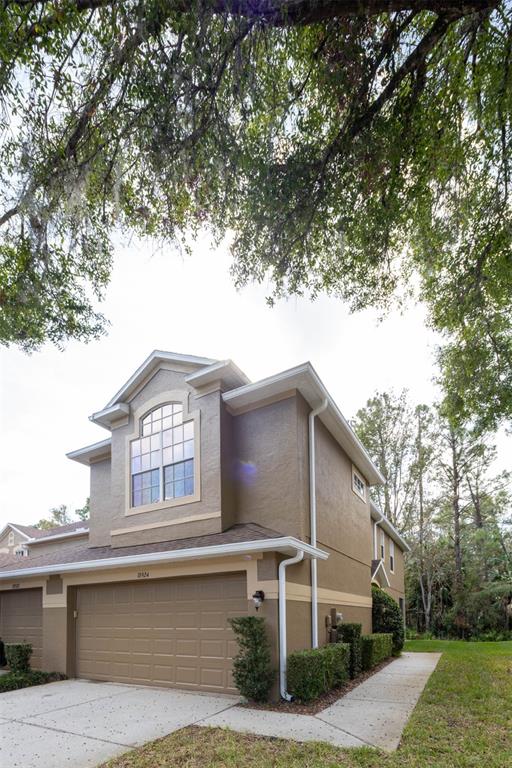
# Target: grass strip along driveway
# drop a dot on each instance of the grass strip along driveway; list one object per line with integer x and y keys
{"x": 463, "y": 719}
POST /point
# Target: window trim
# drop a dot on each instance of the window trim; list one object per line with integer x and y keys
{"x": 358, "y": 493}
{"x": 391, "y": 556}
{"x": 10, "y": 539}
{"x": 382, "y": 545}
{"x": 164, "y": 398}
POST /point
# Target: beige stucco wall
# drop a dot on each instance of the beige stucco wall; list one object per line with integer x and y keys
{"x": 112, "y": 521}
{"x": 46, "y": 548}
{"x": 268, "y": 464}
{"x": 100, "y": 523}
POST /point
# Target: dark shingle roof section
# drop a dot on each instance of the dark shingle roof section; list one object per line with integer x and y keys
{"x": 69, "y": 528}
{"x": 28, "y": 530}
{"x": 38, "y": 533}
{"x": 235, "y": 535}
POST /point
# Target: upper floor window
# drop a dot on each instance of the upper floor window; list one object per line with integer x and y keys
{"x": 21, "y": 552}
{"x": 162, "y": 458}
{"x": 392, "y": 556}
{"x": 10, "y": 540}
{"x": 358, "y": 485}
{"x": 382, "y": 546}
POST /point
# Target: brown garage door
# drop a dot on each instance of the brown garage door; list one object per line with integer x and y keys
{"x": 170, "y": 632}
{"x": 21, "y": 620}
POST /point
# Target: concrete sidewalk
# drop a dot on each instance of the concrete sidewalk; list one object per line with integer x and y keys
{"x": 373, "y": 714}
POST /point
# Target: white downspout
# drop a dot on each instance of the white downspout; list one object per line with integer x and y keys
{"x": 312, "y": 520}
{"x": 282, "y": 621}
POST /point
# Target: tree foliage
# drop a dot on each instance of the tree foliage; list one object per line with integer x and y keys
{"x": 458, "y": 514}
{"x": 63, "y": 516}
{"x": 358, "y": 148}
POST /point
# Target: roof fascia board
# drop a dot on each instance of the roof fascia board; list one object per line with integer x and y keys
{"x": 305, "y": 379}
{"x": 286, "y": 544}
{"x": 224, "y": 371}
{"x": 156, "y": 356}
{"x": 105, "y": 417}
{"x": 388, "y": 527}
{"x": 84, "y": 455}
{"x": 67, "y": 535}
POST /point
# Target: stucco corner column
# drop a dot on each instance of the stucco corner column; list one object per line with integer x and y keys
{"x": 56, "y": 626}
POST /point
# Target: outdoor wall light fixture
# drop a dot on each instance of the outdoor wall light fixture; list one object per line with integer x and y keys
{"x": 258, "y": 598}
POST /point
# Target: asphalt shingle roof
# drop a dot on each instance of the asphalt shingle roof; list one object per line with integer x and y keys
{"x": 234, "y": 535}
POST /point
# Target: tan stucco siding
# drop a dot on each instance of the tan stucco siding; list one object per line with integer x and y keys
{"x": 200, "y": 516}
{"x": 100, "y": 523}
{"x": 342, "y": 515}
{"x": 396, "y": 577}
{"x": 269, "y": 459}
{"x": 59, "y": 545}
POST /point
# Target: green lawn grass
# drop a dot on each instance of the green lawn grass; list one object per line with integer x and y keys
{"x": 462, "y": 720}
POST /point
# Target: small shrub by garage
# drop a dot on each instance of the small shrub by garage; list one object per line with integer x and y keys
{"x": 315, "y": 671}
{"x": 18, "y": 656}
{"x": 12, "y": 681}
{"x": 387, "y": 617}
{"x": 252, "y": 668}
{"x": 351, "y": 634}
{"x": 375, "y": 648}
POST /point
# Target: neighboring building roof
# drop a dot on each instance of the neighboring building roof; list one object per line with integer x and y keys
{"x": 79, "y": 528}
{"x": 33, "y": 535}
{"x": 27, "y": 531}
{"x": 379, "y": 517}
{"x": 241, "y": 538}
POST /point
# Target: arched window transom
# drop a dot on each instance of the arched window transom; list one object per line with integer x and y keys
{"x": 162, "y": 458}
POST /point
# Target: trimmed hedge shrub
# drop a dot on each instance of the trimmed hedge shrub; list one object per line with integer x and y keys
{"x": 18, "y": 656}
{"x": 351, "y": 634}
{"x": 252, "y": 668}
{"x": 387, "y": 617}
{"x": 375, "y": 648}
{"x": 12, "y": 681}
{"x": 317, "y": 670}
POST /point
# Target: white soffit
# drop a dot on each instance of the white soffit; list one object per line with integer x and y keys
{"x": 116, "y": 409}
{"x": 91, "y": 453}
{"x": 387, "y": 526}
{"x": 151, "y": 363}
{"x": 305, "y": 379}
{"x": 224, "y": 371}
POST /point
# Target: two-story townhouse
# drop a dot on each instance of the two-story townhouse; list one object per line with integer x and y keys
{"x": 211, "y": 497}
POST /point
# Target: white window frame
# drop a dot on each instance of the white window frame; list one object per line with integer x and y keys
{"x": 171, "y": 396}
{"x": 382, "y": 545}
{"x": 391, "y": 555}
{"x": 361, "y": 493}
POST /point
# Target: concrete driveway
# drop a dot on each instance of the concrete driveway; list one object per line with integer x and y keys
{"x": 80, "y": 724}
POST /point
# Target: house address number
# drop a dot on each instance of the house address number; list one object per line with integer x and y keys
{"x": 143, "y": 575}
{"x": 15, "y": 586}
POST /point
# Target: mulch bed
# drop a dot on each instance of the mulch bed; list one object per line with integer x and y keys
{"x": 324, "y": 701}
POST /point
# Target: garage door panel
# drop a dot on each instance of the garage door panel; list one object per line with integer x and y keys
{"x": 21, "y": 620}
{"x": 167, "y": 632}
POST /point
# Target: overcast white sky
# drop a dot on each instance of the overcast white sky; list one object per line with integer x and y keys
{"x": 159, "y": 300}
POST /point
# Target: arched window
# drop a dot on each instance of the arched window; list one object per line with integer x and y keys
{"x": 162, "y": 458}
